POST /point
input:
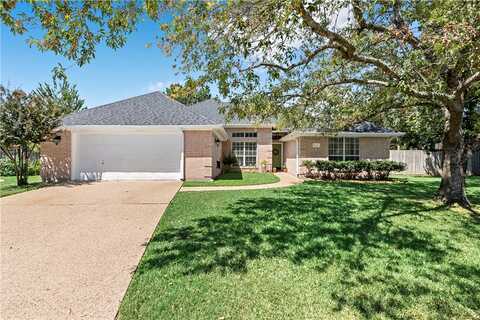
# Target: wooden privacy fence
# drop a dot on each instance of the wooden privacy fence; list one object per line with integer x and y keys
{"x": 423, "y": 162}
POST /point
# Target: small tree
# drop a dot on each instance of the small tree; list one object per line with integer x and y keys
{"x": 192, "y": 91}
{"x": 28, "y": 119}
{"x": 60, "y": 93}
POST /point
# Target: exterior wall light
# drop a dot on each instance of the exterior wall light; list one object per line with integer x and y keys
{"x": 57, "y": 140}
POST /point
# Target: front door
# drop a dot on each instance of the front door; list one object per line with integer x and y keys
{"x": 277, "y": 156}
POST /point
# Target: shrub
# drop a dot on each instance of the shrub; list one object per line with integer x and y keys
{"x": 7, "y": 167}
{"x": 34, "y": 168}
{"x": 362, "y": 169}
{"x": 309, "y": 165}
{"x": 229, "y": 160}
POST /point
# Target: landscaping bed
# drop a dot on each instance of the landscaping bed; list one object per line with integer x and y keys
{"x": 316, "y": 250}
{"x": 352, "y": 169}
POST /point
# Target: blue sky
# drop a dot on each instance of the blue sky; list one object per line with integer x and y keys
{"x": 112, "y": 75}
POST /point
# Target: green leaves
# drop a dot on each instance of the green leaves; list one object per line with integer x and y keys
{"x": 28, "y": 119}
{"x": 192, "y": 91}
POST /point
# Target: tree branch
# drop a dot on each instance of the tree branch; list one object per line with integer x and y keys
{"x": 356, "y": 81}
{"x": 345, "y": 47}
{"x": 320, "y": 30}
{"x": 7, "y": 153}
{"x": 468, "y": 82}
{"x": 398, "y": 22}
{"x": 303, "y": 62}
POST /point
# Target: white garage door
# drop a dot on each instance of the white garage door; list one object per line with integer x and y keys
{"x": 127, "y": 156}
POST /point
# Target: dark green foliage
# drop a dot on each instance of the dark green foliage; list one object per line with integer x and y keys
{"x": 309, "y": 165}
{"x": 34, "y": 168}
{"x": 7, "y": 167}
{"x": 362, "y": 169}
{"x": 229, "y": 160}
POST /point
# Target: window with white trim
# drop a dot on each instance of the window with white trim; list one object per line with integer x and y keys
{"x": 343, "y": 149}
{"x": 245, "y": 153}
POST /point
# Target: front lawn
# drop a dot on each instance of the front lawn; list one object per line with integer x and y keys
{"x": 8, "y": 185}
{"x": 235, "y": 179}
{"x": 319, "y": 250}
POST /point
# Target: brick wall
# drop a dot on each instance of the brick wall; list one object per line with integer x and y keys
{"x": 374, "y": 148}
{"x": 290, "y": 156}
{"x": 56, "y": 159}
{"x": 198, "y": 154}
{"x": 307, "y": 150}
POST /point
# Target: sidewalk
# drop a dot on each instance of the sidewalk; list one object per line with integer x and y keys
{"x": 286, "y": 180}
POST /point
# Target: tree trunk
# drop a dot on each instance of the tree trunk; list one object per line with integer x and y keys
{"x": 22, "y": 171}
{"x": 452, "y": 186}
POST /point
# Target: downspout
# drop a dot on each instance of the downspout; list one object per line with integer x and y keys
{"x": 182, "y": 158}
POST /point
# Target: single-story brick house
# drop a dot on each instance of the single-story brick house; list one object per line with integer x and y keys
{"x": 154, "y": 137}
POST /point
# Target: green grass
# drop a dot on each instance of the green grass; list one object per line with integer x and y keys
{"x": 8, "y": 185}
{"x": 235, "y": 179}
{"x": 319, "y": 250}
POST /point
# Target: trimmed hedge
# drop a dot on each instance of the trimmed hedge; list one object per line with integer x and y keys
{"x": 350, "y": 170}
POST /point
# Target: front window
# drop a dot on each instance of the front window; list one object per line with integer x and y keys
{"x": 343, "y": 149}
{"x": 245, "y": 153}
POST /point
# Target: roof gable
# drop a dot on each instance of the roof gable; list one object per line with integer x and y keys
{"x": 149, "y": 109}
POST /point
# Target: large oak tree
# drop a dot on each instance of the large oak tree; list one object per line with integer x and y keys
{"x": 316, "y": 62}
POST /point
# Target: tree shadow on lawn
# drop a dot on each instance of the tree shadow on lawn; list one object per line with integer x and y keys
{"x": 391, "y": 246}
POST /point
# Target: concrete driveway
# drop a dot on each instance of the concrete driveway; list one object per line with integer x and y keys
{"x": 68, "y": 252}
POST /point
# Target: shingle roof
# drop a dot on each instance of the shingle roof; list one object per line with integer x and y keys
{"x": 158, "y": 109}
{"x": 149, "y": 109}
{"x": 211, "y": 109}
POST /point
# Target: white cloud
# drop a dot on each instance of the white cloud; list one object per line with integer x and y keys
{"x": 156, "y": 86}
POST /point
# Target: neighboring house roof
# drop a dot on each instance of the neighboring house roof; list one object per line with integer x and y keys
{"x": 362, "y": 129}
{"x": 149, "y": 109}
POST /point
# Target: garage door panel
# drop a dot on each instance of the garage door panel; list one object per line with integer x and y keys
{"x": 128, "y": 156}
